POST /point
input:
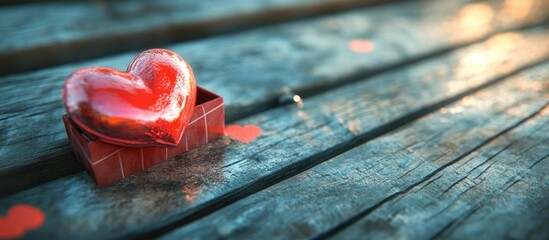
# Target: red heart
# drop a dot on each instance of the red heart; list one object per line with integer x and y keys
{"x": 149, "y": 104}
{"x": 245, "y": 134}
{"x": 21, "y": 218}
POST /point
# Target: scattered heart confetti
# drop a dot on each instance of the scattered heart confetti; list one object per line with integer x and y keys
{"x": 245, "y": 134}
{"x": 361, "y": 46}
{"x": 21, "y": 218}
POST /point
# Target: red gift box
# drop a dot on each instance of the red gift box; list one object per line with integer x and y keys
{"x": 108, "y": 163}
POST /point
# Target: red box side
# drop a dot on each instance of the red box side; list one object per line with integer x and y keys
{"x": 108, "y": 163}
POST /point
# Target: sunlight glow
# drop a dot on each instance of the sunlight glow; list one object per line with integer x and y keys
{"x": 518, "y": 9}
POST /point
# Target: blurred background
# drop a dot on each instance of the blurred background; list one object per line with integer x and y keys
{"x": 39, "y": 34}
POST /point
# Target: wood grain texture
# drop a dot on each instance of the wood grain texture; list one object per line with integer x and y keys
{"x": 51, "y": 33}
{"x": 418, "y": 182}
{"x": 496, "y": 192}
{"x": 203, "y": 180}
{"x": 250, "y": 70}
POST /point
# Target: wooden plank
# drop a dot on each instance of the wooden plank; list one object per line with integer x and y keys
{"x": 531, "y": 207}
{"x": 50, "y": 33}
{"x": 193, "y": 184}
{"x": 245, "y": 69}
{"x": 414, "y": 182}
{"x": 496, "y": 192}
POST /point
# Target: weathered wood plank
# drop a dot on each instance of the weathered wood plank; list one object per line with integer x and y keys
{"x": 52, "y": 33}
{"x": 186, "y": 187}
{"x": 494, "y": 193}
{"x": 525, "y": 195}
{"x": 250, "y": 70}
{"x": 386, "y": 177}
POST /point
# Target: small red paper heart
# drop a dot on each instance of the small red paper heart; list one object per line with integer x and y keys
{"x": 149, "y": 104}
{"x": 245, "y": 134}
{"x": 21, "y": 218}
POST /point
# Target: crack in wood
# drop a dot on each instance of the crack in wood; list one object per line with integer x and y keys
{"x": 367, "y": 211}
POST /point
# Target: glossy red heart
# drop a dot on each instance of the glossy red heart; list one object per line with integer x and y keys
{"x": 149, "y": 104}
{"x": 245, "y": 134}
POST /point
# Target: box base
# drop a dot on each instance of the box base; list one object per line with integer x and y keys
{"x": 108, "y": 163}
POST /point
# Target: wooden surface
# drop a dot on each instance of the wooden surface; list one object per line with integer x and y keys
{"x": 226, "y": 171}
{"x": 48, "y": 33}
{"x": 247, "y": 85}
{"x": 398, "y": 166}
{"x": 438, "y": 131}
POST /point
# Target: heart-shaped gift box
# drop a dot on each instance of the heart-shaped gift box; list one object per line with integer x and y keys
{"x": 121, "y": 123}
